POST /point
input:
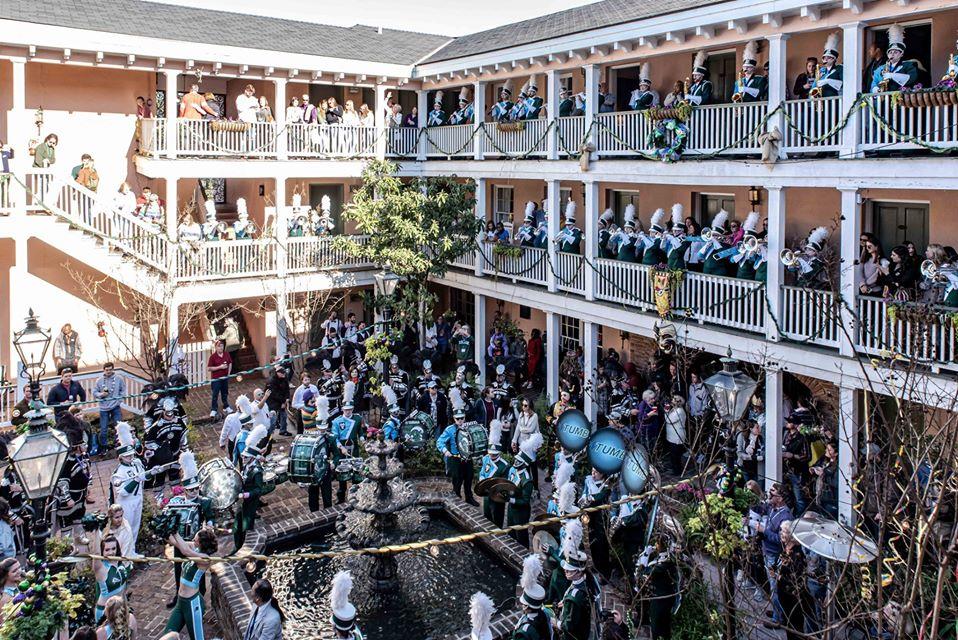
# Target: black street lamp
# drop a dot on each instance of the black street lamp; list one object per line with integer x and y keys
{"x": 31, "y": 344}
{"x": 385, "y": 285}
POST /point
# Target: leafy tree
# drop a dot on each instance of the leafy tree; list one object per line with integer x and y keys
{"x": 415, "y": 228}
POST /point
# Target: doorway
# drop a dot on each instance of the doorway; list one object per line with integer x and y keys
{"x": 627, "y": 81}
{"x": 618, "y": 202}
{"x": 722, "y": 69}
{"x": 711, "y": 203}
{"x": 335, "y": 193}
{"x": 896, "y": 222}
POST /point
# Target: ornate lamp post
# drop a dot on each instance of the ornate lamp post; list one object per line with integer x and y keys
{"x": 385, "y": 285}
{"x": 31, "y": 344}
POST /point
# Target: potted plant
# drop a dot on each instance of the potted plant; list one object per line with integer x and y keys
{"x": 41, "y": 609}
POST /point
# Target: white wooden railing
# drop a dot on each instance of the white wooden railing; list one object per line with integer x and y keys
{"x": 570, "y": 275}
{"x": 936, "y": 126}
{"x": 810, "y": 120}
{"x": 6, "y": 194}
{"x": 729, "y": 128}
{"x": 39, "y": 187}
{"x": 530, "y": 140}
{"x": 911, "y": 330}
{"x": 401, "y": 141}
{"x": 152, "y": 136}
{"x": 196, "y": 355}
{"x": 731, "y": 302}
{"x": 622, "y": 282}
{"x": 206, "y": 138}
{"x": 530, "y": 265}
{"x": 466, "y": 260}
{"x": 810, "y": 316}
{"x": 331, "y": 141}
{"x": 219, "y": 260}
{"x": 451, "y": 140}
{"x": 621, "y": 133}
{"x": 134, "y": 386}
{"x": 570, "y": 131}
{"x": 314, "y": 254}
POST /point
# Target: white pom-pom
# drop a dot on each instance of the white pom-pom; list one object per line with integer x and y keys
{"x": 563, "y": 474}
{"x": 818, "y": 235}
{"x": 531, "y": 445}
{"x": 567, "y": 498}
{"x": 657, "y": 217}
{"x": 256, "y": 435}
{"x": 700, "y": 59}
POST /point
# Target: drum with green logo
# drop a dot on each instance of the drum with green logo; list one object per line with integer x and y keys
{"x": 308, "y": 459}
{"x": 416, "y": 429}
{"x": 472, "y": 440}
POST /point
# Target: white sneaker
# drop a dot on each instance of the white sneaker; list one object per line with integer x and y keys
{"x": 212, "y": 414}
{"x": 228, "y": 410}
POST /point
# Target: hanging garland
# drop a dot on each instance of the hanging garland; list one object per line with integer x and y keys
{"x": 669, "y": 139}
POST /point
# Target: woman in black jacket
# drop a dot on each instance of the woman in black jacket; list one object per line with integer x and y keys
{"x": 902, "y": 275}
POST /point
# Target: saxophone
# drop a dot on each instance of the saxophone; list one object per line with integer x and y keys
{"x": 685, "y": 92}
{"x": 816, "y": 90}
{"x": 952, "y": 66}
{"x": 737, "y": 96}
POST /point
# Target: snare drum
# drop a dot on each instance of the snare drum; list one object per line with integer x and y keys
{"x": 220, "y": 482}
{"x": 187, "y": 516}
{"x": 416, "y": 429}
{"x": 308, "y": 459}
{"x": 472, "y": 440}
{"x": 349, "y": 470}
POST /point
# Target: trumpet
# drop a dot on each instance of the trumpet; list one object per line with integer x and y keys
{"x": 750, "y": 244}
{"x": 788, "y": 258}
{"x": 737, "y": 96}
{"x": 816, "y": 91}
{"x": 707, "y": 234}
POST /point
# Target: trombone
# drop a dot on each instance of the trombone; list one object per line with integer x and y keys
{"x": 750, "y": 244}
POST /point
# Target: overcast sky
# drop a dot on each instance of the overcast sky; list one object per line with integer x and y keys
{"x": 446, "y": 17}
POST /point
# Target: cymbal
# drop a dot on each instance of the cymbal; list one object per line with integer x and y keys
{"x": 543, "y": 542}
{"x": 502, "y": 491}
{"x": 482, "y": 487}
{"x": 833, "y": 540}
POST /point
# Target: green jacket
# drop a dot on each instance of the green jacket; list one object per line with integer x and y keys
{"x": 576, "y": 613}
{"x": 44, "y": 155}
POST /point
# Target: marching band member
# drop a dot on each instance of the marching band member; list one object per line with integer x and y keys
{"x": 73, "y": 484}
{"x": 596, "y": 491}
{"x": 392, "y": 427}
{"x": 660, "y": 575}
{"x": 234, "y": 423}
{"x": 467, "y": 390}
{"x": 566, "y": 103}
{"x": 532, "y": 105}
{"x": 676, "y": 242}
{"x": 458, "y": 467}
{"x": 494, "y": 466}
{"x": 628, "y": 527}
{"x": 525, "y": 235}
{"x": 320, "y": 427}
{"x": 331, "y": 385}
{"x": 253, "y": 485}
{"x": 210, "y": 226}
{"x": 466, "y": 111}
{"x": 399, "y": 381}
{"x": 536, "y": 621}
{"x": 437, "y": 117}
{"x": 519, "y": 107}
{"x": 348, "y": 432}
{"x": 563, "y": 475}
{"x": 627, "y": 241}
{"x": 243, "y": 229}
{"x": 951, "y": 75}
{"x": 570, "y": 237}
{"x": 744, "y": 257}
{"x": 541, "y": 240}
{"x": 828, "y": 77}
{"x": 164, "y": 439}
{"x": 344, "y": 613}
{"x": 480, "y": 614}
{"x": 296, "y": 226}
{"x": 750, "y": 86}
{"x": 500, "y": 111}
{"x": 810, "y": 266}
{"x": 570, "y": 537}
{"x": 577, "y": 603}
{"x": 896, "y": 74}
{"x": 422, "y": 382}
{"x": 654, "y": 254}
{"x": 644, "y": 97}
{"x": 700, "y": 91}
{"x": 502, "y": 390}
{"x": 520, "y": 504}
{"x": 711, "y": 253}
{"x": 607, "y": 228}
{"x": 128, "y": 480}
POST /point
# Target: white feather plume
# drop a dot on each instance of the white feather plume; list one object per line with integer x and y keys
{"x": 700, "y": 59}
{"x": 563, "y": 474}
{"x": 530, "y": 211}
{"x": 644, "y": 72}
{"x": 751, "y": 50}
{"x": 124, "y": 434}
{"x": 455, "y": 398}
{"x": 495, "y": 432}
{"x": 256, "y": 435}
{"x": 389, "y": 396}
{"x": 629, "y": 212}
{"x": 339, "y": 593}
{"x": 573, "y": 535}
{"x": 188, "y": 464}
{"x": 608, "y": 215}
{"x": 531, "y": 572}
{"x": 751, "y": 221}
{"x": 718, "y": 222}
{"x": 322, "y": 409}
{"x": 349, "y": 390}
{"x": 244, "y": 405}
{"x": 481, "y": 609}
{"x": 570, "y": 208}
{"x": 531, "y": 445}
{"x": 831, "y": 42}
{"x": 678, "y": 215}
{"x": 567, "y": 497}
{"x": 657, "y": 217}
{"x": 818, "y": 235}
{"x": 896, "y": 33}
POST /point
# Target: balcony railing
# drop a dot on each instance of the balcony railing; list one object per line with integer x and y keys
{"x": 888, "y": 122}
{"x": 451, "y": 141}
{"x": 530, "y": 140}
{"x": 726, "y": 128}
{"x": 225, "y": 259}
{"x": 134, "y": 387}
{"x": 908, "y": 330}
{"x": 218, "y": 138}
{"x": 569, "y": 274}
{"x": 813, "y": 124}
{"x": 325, "y": 141}
{"x": 811, "y": 316}
{"x": 313, "y": 254}
{"x": 528, "y": 264}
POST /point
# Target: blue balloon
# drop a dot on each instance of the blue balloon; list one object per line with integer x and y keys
{"x": 607, "y": 451}
{"x": 636, "y": 470}
{"x": 573, "y": 429}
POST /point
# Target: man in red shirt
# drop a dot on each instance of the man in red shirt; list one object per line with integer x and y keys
{"x": 219, "y": 366}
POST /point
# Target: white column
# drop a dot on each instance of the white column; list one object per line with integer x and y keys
{"x": 590, "y": 343}
{"x": 19, "y": 303}
{"x": 848, "y": 285}
{"x": 590, "y": 242}
{"x": 380, "y": 121}
{"x": 776, "y": 271}
{"x": 774, "y": 421}
{"x": 848, "y": 421}
{"x": 282, "y": 325}
{"x": 553, "y": 337}
{"x": 776, "y": 82}
{"x": 173, "y": 322}
{"x": 479, "y": 337}
{"x": 422, "y": 105}
{"x": 592, "y": 73}
{"x": 17, "y": 138}
{"x": 554, "y": 212}
{"x": 172, "y": 111}
{"x": 482, "y": 207}
{"x": 171, "y": 207}
{"x": 479, "y": 107}
{"x": 853, "y": 42}
{"x": 281, "y": 226}
{"x": 552, "y": 113}
{"x": 279, "y": 117}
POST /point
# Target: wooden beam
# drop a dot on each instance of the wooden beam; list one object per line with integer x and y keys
{"x": 739, "y": 26}
{"x": 855, "y": 6}
{"x": 559, "y": 58}
{"x": 773, "y": 20}
{"x": 66, "y": 54}
{"x": 812, "y": 14}
{"x": 625, "y": 47}
{"x": 705, "y": 32}
{"x": 599, "y": 50}
{"x": 678, "y": 37}
{"x": 651, "y": 42}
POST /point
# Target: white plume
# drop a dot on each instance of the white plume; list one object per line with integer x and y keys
{"x": 531, "y": 445}
{"x": 530, "y": 211}
{"x": 818, "y": 235}
{"x": 124, "y": 434}
{"x": 389, "y": 396}
{"x": 657, "y": 217}
{"x": 678, "y": 215}
{"x": 831, "y": 42}
{"x": 241, "y": 207}
{"x": 322, "y": 409}
{"x": 437, "y": 99}
{"x": 563, "y": 474}
{"x": 188, "y": 464}
{"x": 567, "y": 498}
{"x": 570, "y": 207}
{"x": 480, "y": 613}
{"x": 244, "y": 405}
{"x": 465, "y": 94}
{"x": 455, "y": 398}
{"x": 751, "y": 50}
{"x": 349, "y": 390}
{"x": 629, "y": 212}
{"x": 531, "y": 571}
{"x": 495, "y": 432}
{"x": 896, "y": 33}
{"x": 751, "y": 221}
{"x": 718, "y": 222}
{"x": 573, "y": 535}
{"x": 644, "y": 73}
{"x": 339, "y": 593}
{"x": 700, "y": 59}
{"x": 256, "y": 435}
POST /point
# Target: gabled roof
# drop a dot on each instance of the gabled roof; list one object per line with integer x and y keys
{"x": 593, "y": 16}
{"x": 188, "y": 24}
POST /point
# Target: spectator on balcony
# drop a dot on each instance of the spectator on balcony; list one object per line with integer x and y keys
{"x": 67, "y": 349}
{"x": 700, "y": 91}
{"x": 143, "y": 110}
{"x": 334, "y": 112}
{"x": 876, "y": 58}
{"x": 189, "y": 230}
{"x": 490, "y": 232}
{"x": 124, "y": 202}
{"x": 264, "y": 113}
{"x": 437, "y": 117}
{"x": 45, "y": 153}
{"x": 912, "y": 253}
{"x": 144, "y": 198}
{"x": 194, "y": 106}
{"x": 350, "y": 115}
{"x": 294, "y": 112}
{"x": 675, "y": 96}
{"x": 394, "y": 116}
{"x": 310, "y": 113}
{"x": 85, "y": 173}
{"x": 806, "y": 79}
{"x": 247, "y": 105}
{"x": 902, "y": 275}
{"x": 644, "y": 97}
{"x": 897, "y": 73}
{"x": 750, "y": 86}
{"x": 501, "y": 234}
{"x": 693, "y": 232}
{"x": 366, "y": 117}
{"x": 412, "y": 120}
{"x": 872, "y": 266}
{"x": 736, "y": 233}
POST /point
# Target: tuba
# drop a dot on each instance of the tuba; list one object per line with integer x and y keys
{"x": 788, "y": 258}
{"x": 929, "y": 269}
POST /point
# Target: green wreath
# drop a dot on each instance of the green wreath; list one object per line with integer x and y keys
{"x": 659, "y": 140}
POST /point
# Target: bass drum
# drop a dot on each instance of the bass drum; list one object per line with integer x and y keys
{"x": 308, "y": 459}
{"x": 472, "y": 440}
{"x": 416, "y": 429}
{"x": 220, "y": 482}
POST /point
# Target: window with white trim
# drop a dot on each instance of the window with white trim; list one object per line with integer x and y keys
{"x": 569, "y": 332}
{"x": 503, "y": 201}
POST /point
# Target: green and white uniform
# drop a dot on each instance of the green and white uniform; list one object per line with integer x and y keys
{"x": 188, "y": 612}
{"x": 115, "y": 583}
